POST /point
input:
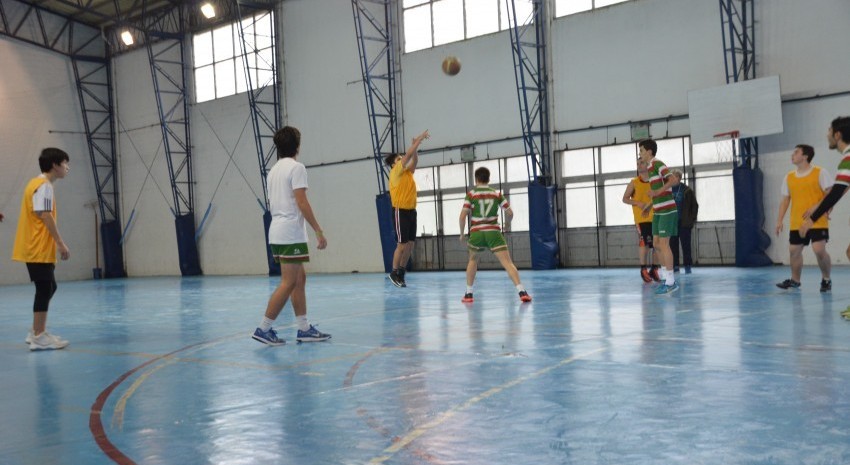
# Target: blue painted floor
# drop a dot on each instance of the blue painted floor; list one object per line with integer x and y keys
{"x": 596, "y": 370}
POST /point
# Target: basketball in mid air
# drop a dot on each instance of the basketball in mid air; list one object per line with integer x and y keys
{"x": 451, "y": 65}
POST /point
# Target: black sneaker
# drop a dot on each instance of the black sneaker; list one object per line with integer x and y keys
{"x": 523, "y": 296}
{"x": 788, "y": 284}
{"x": 467, "y": 298}
{"x": 401, "y": 273}
{"x": 825, "y": 285}
{"x": 396, "y": 279}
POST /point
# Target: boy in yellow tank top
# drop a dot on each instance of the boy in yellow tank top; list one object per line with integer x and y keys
{"x": 637, "y": 195}
{"x": 37, "y": 240}
{"x": 803, "y": 189}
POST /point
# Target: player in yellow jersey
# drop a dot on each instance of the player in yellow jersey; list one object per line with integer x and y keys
{"x": 803, "y": 189}
{"x": 637, "y": 195}
{"x": 37, "y": 240}
{"x": 403, "y": 198}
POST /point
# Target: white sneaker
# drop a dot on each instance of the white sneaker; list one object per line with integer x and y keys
{"x": 47, "y": 341}
{"x": 29, "y": 337}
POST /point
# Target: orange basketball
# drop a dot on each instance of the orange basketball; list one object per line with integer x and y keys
{"x": 451, "y": 65}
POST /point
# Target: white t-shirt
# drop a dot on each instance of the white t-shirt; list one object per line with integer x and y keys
{"x": 288, "y": 225}
{"x": 42, "y": 198}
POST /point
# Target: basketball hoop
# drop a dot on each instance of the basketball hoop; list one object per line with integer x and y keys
{"x": 726, "y": 144}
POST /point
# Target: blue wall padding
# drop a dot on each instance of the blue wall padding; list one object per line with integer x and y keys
{"x": 386, "y": 229}
{"x": 543, "y": 229}
{"x": 274, "y": 268}
{"x": 187, "y": 248}
{"x": 751, "y": 241}
{"x": 113, "y": 254}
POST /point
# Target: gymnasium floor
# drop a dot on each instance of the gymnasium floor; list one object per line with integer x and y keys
{"x": 596, "y": 370}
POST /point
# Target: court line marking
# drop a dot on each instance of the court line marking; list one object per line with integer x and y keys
{"x": 448, "y": 414}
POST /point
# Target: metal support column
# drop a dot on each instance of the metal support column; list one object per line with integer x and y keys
{"x": 166, "y": 54}
{"x": 528, "y": 47}
{"x": 376, "y": 30}
{"x": 263, "y": 97}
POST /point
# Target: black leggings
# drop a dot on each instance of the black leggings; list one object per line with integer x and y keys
{"x": 41, "y": 274}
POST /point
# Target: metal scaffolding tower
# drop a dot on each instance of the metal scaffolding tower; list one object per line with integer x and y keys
{"x": 376, "y": 31}
{"x": 91, "y": 62}
{"x": 739, "y": 55}
{"x": 263, "y": 97}
{"x": 165, "y": 44}
{"x": 528, "y": 47}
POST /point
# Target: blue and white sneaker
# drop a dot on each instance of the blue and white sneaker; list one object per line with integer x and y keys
{"x": 665, "y": 289}
{"x": 268, "y": 337}
{"x": 312, "y": 335}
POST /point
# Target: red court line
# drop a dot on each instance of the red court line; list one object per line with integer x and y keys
{"x": 95, "y": 423}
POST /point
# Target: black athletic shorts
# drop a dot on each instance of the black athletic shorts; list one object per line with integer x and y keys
{"x": 41, "y": 271}
{"x": 645, "y": 233}
{"x": 814, "y": 235}
{"x": 405, "y": 225}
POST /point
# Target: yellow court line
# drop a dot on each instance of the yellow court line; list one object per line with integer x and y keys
{"x": 447, "y": 415}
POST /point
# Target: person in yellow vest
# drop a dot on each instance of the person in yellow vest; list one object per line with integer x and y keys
{"x": 637, "y": 195}
{"x": 37, "y": 240}
{"x": 803, "y": 190}
{"x": 403, "y": 198}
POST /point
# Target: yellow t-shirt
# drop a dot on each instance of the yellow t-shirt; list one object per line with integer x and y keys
{"x": 805, "y": 192}
{"x": 402, "y": 188}
{"x": 33, "y": 242}
{"x": 641, "y": 194}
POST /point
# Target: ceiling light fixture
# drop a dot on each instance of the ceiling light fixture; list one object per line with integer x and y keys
{"x": 208, "y": 10}
{"x": 126, "y": 37}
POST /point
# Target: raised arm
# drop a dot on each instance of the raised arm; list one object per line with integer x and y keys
{"x": 411, "y": 157}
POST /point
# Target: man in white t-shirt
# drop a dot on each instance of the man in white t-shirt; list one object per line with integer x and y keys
{"x": 287, "y": 184}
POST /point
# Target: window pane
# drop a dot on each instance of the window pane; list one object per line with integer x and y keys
{"x": 619, "y": 158}
{"x": 580, "y": 203}
{"x": 616, "y": 212}
{"x": 453, "y": 176}
{"x": 518, "y": 200}
{"x": 202, "y": 49}
{"x": 417, "y": 28}
{"x": 225, "y": 79}
{"x": 715, "y": 195}
{"x": 601, "y": 3}
{"x": 452, "y": 203}
{"x": 524, "y": 8}
{"x": 223, "y": 43}
{"x": 568, "y": 7}
{"x": 250, "y": 42}
{"x": 517, "y": 170}
{"x": 493, "y": 166}
{"x": 448, "y": 21}
{"x": 712, "y": 152}
{"x": 424, "y": 178}
{"x": 482, "y": 17}
{"x": 265, "y": 76}
{"x": 264, "y": 30}
{"x": 426, "y": 215}
{"x": 241, "y": 82}
{"x": 204, "y": 84}
{"x": 670, "y": 152}
{"x": 577, "y": 162}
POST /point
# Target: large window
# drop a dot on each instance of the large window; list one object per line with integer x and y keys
{"x": 428, "y": 23}
{"x": 219, "y": 60}
{"x": 595, "y": 180}
{"x": 569, "y": 7}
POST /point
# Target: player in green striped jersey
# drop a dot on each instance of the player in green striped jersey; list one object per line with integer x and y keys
{"x": 482, "y": 206}
{"x": 665, "y": 218}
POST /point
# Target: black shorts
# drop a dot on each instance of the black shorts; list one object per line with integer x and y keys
{"x": 41, "y": 271}
{"x": 405, "y": 225}
{"x": 645, "y": 233}
{"x": 814, "y": 235}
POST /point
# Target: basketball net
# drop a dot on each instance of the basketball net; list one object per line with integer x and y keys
{"x": 726, "y": 144}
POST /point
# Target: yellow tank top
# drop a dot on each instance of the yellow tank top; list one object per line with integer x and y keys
{"x": 805, "y": 192}
{"x": 33, "y": 242}
{"x": 641, "y": 194}
{"x": 402, "y": 188}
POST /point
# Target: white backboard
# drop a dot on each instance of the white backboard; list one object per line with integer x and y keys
{"x": 754, "y": 108}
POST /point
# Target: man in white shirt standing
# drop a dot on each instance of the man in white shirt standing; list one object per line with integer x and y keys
{"x": 287, "y": 184}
